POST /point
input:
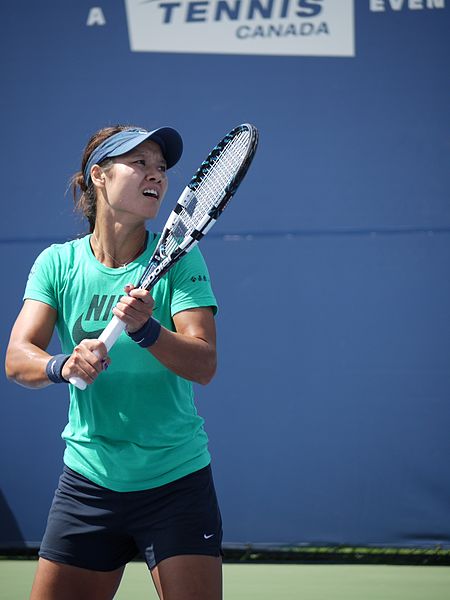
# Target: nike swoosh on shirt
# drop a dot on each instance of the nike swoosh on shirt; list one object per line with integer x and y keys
{"x": 79, "y": 333}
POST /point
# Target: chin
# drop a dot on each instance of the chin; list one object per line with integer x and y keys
{"x": 151, "y": 214}
{"x": 150, "y": 210}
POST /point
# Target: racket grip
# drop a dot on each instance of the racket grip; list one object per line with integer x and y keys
{"x": 109, "y": 337}
{"x": 78, "y": 383}
{"x": 111, "y": 332}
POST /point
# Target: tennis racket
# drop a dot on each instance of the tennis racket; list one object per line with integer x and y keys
{"x": 198, "y": 208}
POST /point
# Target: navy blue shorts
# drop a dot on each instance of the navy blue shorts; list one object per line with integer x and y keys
{"x": 95, "y": 528}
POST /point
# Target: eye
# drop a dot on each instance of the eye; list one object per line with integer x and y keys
{"x": 140, "y": 161}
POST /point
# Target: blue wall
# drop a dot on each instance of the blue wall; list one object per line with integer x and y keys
{"x": 329, "y": 418}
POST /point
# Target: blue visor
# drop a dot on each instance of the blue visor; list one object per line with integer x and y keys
{"x": 120, "y": 143}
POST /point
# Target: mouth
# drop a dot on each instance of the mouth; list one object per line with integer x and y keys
{"x": 151, "y": 193}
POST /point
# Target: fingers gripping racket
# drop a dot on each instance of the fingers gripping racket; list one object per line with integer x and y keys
{"x": 198, "y": 208}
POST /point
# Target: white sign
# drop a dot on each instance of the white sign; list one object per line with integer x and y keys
{"x": 271, "y": 27}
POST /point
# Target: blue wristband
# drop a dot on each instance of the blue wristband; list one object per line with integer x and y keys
{"x": 54, "y": 368}
{"x": 147, "y": 335}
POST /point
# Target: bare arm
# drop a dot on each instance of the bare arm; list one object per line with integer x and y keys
{"x": 190, "y": 351}
{"x": 26, "y": 355}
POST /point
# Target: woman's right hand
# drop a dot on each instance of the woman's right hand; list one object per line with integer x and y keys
{"x": 87, "y": 361}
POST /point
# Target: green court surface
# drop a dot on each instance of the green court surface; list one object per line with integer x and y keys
{"x": 274, "y": 582}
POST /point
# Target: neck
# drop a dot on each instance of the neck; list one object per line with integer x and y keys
{"x": 113, "y": 252}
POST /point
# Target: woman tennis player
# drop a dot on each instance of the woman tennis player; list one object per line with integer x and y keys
{"x": 136, "y": 476}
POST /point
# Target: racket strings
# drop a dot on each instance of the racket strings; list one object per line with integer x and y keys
{"x": 223, "y": 169}
{"x": 174, "y": 238}
{"x": 213, "y": 183}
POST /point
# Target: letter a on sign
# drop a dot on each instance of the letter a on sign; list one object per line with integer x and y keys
{"x": 95, "y": 17}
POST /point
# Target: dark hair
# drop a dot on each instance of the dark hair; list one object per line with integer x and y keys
{"x": 84, "y": 195}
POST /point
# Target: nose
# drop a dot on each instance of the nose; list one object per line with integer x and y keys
{"x": 153, "y": 174}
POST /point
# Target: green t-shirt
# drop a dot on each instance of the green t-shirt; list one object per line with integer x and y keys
{"x": 136, "y": 427}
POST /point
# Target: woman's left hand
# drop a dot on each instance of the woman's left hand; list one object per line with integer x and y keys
{"x": 135, "y": 308}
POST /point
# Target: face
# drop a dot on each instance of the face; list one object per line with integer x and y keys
{"x": 136, "y": 183}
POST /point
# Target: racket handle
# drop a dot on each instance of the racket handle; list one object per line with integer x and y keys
{"x": 109, "y": 337}
{"x": 111, "y": 332}
{"x": 78, "y": 383}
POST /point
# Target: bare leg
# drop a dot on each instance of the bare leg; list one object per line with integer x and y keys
{"x": 189, "y": 578}
{"x": 54, "y": 581}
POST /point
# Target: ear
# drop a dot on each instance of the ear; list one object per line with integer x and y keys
{"x": 98, "y": 176}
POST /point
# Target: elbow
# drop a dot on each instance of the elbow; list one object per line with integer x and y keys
{"x": 208, "y": 371}
{"x": 10, "y": 372}
{"x": 18, "y": 370}
{"x": 12, "y": 362}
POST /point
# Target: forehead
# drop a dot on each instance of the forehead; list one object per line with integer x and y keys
{"x": 148, "y": 148}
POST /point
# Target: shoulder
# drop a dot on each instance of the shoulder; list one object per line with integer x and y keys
{"x": 194, "y": 257}
{"x": 56, "y": 261}
{"x": 191, "y": 268}
{"x": 62, "y": 251}
{"x": 69, "y": 247}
